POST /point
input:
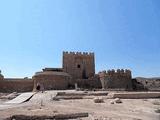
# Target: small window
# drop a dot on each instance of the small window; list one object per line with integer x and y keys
{"x": 78, "y": 66}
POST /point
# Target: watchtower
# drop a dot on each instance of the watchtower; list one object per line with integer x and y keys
{"x": 79, "y": 65}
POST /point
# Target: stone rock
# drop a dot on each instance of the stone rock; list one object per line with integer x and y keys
{"x": 117, "y": 100}
{"x": 55, "y": 98}
{"x": 98, "y": 100}
{"x": 112, "y": 102}
{"x": 12, "y": 95}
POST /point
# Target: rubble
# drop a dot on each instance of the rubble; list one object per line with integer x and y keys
{"x": 10, "y": 96}
{"x": 98, "y": 100}
{"x": 117, "y": 100}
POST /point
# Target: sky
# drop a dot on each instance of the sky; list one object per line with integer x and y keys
{"x": 121, "y": 33}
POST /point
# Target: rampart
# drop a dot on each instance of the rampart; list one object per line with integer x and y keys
{"x": 116, "y": 79}
{"x": 91, "y": 83}
{"x": 16, "y": 85}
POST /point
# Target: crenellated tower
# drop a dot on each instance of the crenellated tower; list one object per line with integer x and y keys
{"x": 79, "y": 65}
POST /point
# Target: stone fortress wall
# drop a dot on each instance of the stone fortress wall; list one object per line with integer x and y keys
{"x": 79, "y": 65}
{"x": 116, "y": 79}
{"x": 90, "y": 83}
{"x": 16, "y": 85}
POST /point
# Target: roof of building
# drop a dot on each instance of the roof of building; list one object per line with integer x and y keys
{"x": 53, "y": 69}
{"x": 52, "y": 73}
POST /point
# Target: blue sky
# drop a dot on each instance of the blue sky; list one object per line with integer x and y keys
{"x": 122, "y": 33}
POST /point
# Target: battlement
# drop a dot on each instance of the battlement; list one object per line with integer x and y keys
{"x": 78, "y": 53}
{"x": 118, "y": 72}
{"x": 113, "y": 79}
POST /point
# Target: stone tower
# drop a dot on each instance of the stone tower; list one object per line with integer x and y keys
{"x": 79, "y": 65}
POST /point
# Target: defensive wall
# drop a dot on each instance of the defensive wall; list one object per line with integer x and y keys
{"x": 16, "y": 85}
{"x": 90, "y": 83}
{"x": 116, "y": 79}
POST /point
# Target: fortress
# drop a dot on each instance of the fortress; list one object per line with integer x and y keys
{"x": 78, "y": 70}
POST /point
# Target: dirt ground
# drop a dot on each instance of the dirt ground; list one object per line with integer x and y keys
{"x": 42, "y": 104}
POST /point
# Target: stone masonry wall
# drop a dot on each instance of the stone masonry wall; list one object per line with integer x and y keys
{"x": 50, "y": 82}
{"x": 91, "y": 83}
{"x": 120, "y": 79}
{"x": 16, "y": 85}
{"x": 150, "y": 84}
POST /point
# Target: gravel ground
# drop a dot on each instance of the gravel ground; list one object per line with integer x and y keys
{"x": 42, "y": 104}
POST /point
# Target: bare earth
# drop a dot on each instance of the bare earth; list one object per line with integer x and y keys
{"x": 42, "y": 104}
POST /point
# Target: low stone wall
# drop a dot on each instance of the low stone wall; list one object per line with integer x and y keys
{"x": 49, "y": 117}
{"x": 137, "y": 95}
{"x": 16, "y": 85}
